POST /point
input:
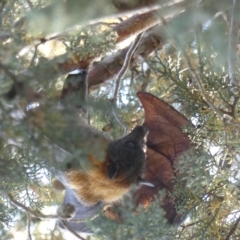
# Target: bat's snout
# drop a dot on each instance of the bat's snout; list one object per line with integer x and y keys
{"x": 140, "y": 132}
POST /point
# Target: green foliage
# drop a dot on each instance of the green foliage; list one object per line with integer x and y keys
{"x": 132, "y": 223}
{"x": 206, "y": 188}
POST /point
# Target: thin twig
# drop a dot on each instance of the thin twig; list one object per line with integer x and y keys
{"x": 72, "y": 231}
{"x": 233, "y": 229}
{"x": 199, "y": 53}
{"x": 118, "y": 120}
{"x": 199, "y": 79}
{"x": 126, "y": 64}
{"x": 192, "y": 237}
{"x": 10, "y": 74}
{"x": 30, "y": 4}
{"x": 36, "y": 214}
{"x": 29, "y": 226}
{"x": 196, "y": 76}
{"x": 201, "y": 86}
{"x": 233, "y": 106}
{"x": 105, "y": 24}
{"x": 34, "y": 55}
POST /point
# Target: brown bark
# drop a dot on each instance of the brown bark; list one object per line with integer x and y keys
{"x": 110, "y": 65}
{"x": 135, "y": 24}
{"x": 155, "y": 37}
{"x": 131, "y": 5}
{"x": 131, "y": 26}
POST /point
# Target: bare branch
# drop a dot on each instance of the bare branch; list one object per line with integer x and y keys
{"x": 30, "y": 4}
{"x": 196, "y": 76}
{"x": 135, "y": 24}
{"x": 34, "y": 56}
{"x": 140, "y": 22}
{"x": 201, "y": 87}
{"x": 119, "y": 121}
{"x": 233, "y": 229}
{"x": 29, "y": 226}
{"x": 233, "y": 106}
{"x": 36, "y": 214}
{"x": 131, "y": 26}
{"x": 9, "y": 73}
{"x": 126, "y": 64}
{"x": 111, "y": 65}
{"x": 200, "y": 63}
{"x": 72, "y": 231}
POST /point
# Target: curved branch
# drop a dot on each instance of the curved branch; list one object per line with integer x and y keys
{"x": 72, "y": 231}
{"x": 109, "y": 66}
{"x": 126, "y": 64}
{"x": 34, "y": 213}
{"x": 233, "y": 229}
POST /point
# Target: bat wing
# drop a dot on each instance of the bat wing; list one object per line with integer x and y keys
{"x": 165, "y": 142}
{"x": 83, "y": 212}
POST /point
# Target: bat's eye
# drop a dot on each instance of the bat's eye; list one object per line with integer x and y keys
{"x": 68, "y": 166}
{"x": 130, "y": 144}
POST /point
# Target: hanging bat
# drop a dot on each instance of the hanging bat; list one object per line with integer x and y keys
{"x": 105, "y": 180}
{"x": 165, "y": 142}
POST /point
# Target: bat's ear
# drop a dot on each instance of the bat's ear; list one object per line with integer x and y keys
{"x": 141, "y": 181}
{"x": 112, "y": 170}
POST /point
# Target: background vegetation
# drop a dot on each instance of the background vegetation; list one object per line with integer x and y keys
{"x": 185, "y": 52}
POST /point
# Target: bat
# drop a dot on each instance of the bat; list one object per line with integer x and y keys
{"x": 106, "y": 180}
{"x": 165, "y": 143}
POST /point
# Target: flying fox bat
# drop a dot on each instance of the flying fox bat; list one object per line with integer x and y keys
{"x": 124, "y": 164}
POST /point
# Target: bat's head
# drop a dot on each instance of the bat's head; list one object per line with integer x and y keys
{"x": 127, "y": 157}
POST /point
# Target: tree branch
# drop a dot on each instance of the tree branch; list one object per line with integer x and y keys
{"x": 126, "y": 64}
{"x": 111, "y": 65}
{"x": 36, "y": 213}
{"x": 30, "y": 4}
{"x": 140, "y": 22}
{"x": 153, "y": 38}
{"x": 233, "y": 229}
{"x": 9, "y": 73}
{"x": 29, "y": 226}
{"x": 233, "y": 106}
{"x": 201, "y": 87}
{"x": 72, "y": 231}
{"x": 17, "y": 204}
{"x": 194, "y": 73}
{"x": 131, "y": 26}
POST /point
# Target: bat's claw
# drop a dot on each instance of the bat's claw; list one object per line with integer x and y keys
{"x": 142, "y": 181}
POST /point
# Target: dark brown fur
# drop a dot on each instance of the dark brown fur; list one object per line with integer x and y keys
{"x": 109, "y": 180}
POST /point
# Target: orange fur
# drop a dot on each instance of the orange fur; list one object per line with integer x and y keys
{"x": 94, "y": 185}
{"x": 108, "y": 180}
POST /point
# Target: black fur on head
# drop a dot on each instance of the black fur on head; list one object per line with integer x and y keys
{"x": 127, "y": 156}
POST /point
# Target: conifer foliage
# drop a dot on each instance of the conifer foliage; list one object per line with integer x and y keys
{"x": 184, "y": 52}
